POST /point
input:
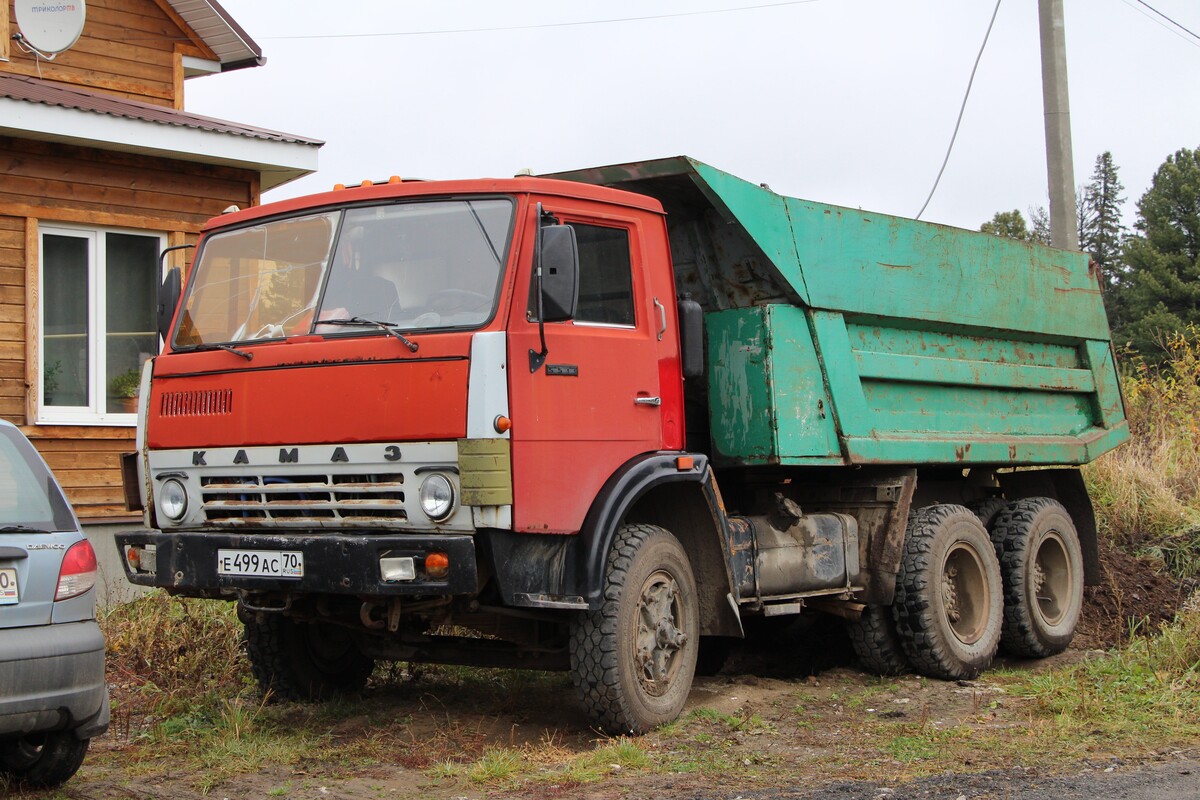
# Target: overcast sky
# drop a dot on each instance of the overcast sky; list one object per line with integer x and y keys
{"x": 850, "y": 102}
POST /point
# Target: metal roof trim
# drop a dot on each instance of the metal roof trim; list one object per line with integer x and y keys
{"x": 220, "y": 32}
{"x": 32, "y": 90}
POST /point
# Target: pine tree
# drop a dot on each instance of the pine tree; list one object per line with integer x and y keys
{"x": 1101, "y": 232}
{"x": 1160, "y": 289}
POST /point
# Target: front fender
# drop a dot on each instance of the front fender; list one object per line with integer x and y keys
{"x": 620, "y": 492}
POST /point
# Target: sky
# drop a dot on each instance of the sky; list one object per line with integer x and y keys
{"x": 849, "y": 102}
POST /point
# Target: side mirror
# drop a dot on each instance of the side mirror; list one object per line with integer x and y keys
{"x": 691, "y": 337}
{"x": 559, "y": 262}
{"x": 168, "y": 298}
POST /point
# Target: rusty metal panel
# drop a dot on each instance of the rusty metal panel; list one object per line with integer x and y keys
{"x": 843, "y": 336}
{"x": 767, "y": 393}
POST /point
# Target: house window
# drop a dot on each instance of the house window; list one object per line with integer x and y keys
{"x": 98, "y": 304}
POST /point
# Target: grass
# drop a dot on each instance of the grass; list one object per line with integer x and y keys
{"x": 1147, "y": 692}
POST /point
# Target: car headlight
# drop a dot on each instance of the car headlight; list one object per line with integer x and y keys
{"x": 172, "y": 499}
{"x": 437, "y": 497}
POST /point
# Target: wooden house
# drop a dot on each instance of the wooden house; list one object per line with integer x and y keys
{"x": 100, "y": 170}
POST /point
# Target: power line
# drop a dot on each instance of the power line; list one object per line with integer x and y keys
{"x": 961, "y": 109}
{"x": 1168, "y": 19}
{"x": 440, "y": 32}
{"x": 1161, "y": 23}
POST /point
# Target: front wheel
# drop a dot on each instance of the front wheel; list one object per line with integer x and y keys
{"x": 949, "y": 603}
{"x": 1042, "y": 565}
{"x": 304, "y": 660}
{"x": 43, "y": 760}
{"x": 633, "y": 659}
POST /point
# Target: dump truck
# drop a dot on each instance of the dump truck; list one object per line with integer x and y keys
{"x": 600, "y": 421}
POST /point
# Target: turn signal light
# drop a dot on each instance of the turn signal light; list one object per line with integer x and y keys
{"x": 502, "y": 424}
{"x": 437, "y": 565}
{"x": 684, "y": 463}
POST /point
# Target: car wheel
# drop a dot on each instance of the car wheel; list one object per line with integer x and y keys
{"x": 43, "y": 760}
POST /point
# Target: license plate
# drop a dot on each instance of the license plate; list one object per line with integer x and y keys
{"x": 9, "y": 594}
{"x": 261, "y": 563}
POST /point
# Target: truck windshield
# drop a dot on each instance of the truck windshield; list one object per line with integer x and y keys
{"x": 411, "y": 265}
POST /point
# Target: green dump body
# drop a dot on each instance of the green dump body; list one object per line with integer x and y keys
{"x": 837, "y": 336}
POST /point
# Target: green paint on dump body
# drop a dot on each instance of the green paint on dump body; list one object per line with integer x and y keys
{"x": 843, "y": 336}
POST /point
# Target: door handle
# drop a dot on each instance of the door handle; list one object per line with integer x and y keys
{"x": 648, "y": 401}
{"x": 662, "y": 318}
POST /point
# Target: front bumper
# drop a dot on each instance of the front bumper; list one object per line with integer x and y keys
{"x": 52, "y": 678}
{"x": 334, "y": 563}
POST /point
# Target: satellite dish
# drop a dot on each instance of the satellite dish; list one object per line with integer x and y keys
{"x": 50, "y": 26}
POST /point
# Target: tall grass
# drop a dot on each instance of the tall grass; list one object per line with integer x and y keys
{"x": 176, "y": 652}
{"x": 1147, "y": 493}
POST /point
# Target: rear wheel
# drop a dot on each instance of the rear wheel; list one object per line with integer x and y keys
{"x": 633, "y": 659}
{"x": 43, "y": 760}
{"x": 949, "y": 602}
{"x": 873, "y": 636}
{"x": 988, "y": 509}
{"x": 304, "y": 660}
{"x": 1042, "y": 565}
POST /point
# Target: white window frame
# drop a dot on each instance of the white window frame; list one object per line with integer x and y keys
{"x": 96, "y": 413}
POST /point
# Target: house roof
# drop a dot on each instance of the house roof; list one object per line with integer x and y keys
{"x": 220, "y": 32}
{"x": 37, "y": 109}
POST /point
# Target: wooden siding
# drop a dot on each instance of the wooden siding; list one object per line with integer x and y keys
{"x": 87, "y": 462}
{"x": 96, "y": 187}
{"x": 128, "y": 48}
{"x": 50, "y": 183}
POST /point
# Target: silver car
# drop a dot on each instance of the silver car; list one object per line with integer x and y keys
{"x": 53, "y": 699}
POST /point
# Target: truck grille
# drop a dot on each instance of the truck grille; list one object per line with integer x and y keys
{"x": 303, "y": 500}
{"x": 197, "y": 403}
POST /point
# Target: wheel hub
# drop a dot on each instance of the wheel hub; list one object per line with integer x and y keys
{"x": 659, "y": 639}
{"x": 965, "y": 593}
{"x": 1051, "y": 578}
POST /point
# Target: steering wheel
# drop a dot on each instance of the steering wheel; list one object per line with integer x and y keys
{"x": 429, "y": 319}
{"x": 446, "y": 301}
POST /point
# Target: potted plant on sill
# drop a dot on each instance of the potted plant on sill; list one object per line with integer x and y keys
{"x": 124, "y": 388}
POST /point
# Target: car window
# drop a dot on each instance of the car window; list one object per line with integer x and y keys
{"x": 29, "y": 497}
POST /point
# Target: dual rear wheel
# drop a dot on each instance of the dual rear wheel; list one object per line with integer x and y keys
{"x": 972, "y": 580}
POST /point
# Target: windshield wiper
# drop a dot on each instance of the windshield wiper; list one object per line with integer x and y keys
{"x": 383, "y": 326}
{"x": 21, "y": 529}
{"x": 228, "y": 348}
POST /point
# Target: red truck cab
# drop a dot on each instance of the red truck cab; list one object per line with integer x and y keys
{"x": 380, "y": 408}
{"x": 273, "y": 354}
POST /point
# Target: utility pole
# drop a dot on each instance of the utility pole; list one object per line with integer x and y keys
{"x": 1059, "y": 165}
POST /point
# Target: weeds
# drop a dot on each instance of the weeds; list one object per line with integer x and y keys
{"x": 180, "y": 653}
{"x": 1147, "y": 493}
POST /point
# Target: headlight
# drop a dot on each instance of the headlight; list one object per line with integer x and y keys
{"x": 437, "y": 497}
{"x": 172, "y": 499}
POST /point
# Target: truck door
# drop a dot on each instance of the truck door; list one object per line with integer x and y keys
{"x": 596, "y": 402}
